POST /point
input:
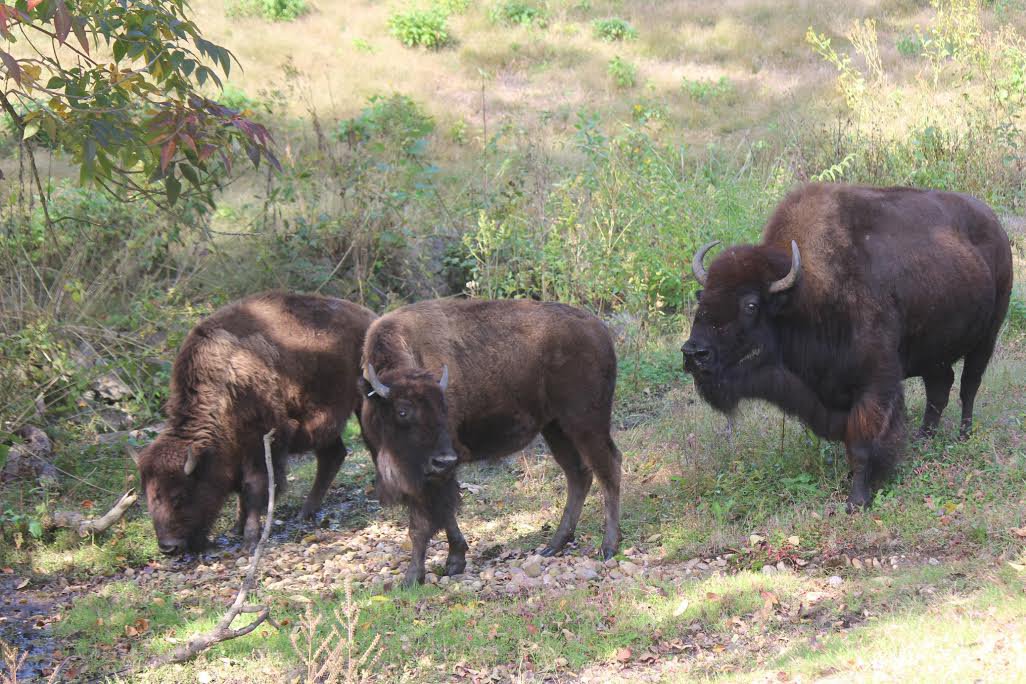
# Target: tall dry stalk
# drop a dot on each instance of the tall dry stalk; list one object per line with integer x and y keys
{"x": 331, "y": 659}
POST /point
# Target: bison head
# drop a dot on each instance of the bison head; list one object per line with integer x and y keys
{"x": 182, "y": 499}
{"x": 734, "y": 332}
{"x": 407, "y": 423}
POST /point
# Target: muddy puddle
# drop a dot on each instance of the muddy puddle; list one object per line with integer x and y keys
{"x": 25, "y": 618}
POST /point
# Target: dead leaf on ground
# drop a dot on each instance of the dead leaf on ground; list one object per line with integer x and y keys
{"x": 1019, "y": 532}
{"x": 623, "y": 655}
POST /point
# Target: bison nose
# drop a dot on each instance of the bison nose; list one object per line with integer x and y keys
{"x": 168, "y": 548}
{"x": 697, "y": 351}
{"x": 443, "y": 463}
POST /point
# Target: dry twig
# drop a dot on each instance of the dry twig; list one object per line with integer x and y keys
{"x": 13, "y": 661}
{"x": 87, "y": 526}
{"x": 223, "y": 631}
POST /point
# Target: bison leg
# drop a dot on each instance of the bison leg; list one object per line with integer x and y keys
{"x": 456, "y": 563}
{"x": 938, "y": 388}
{"x": 972, "y": 374}
{"x": 604, "y": 459}
{"x": 329, "y": 460}
{"x": 874, "y": 435}
{"x": 860, "y": 462}
{"x": 578, "y": 480}
{"x": 240, "y": 525}
{"x": 422, "y": 528}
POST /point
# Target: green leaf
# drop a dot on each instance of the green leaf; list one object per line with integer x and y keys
{"x": 35, "y": 528}
{"x": 173, "y": 188}
{"x": 31, "y": 128}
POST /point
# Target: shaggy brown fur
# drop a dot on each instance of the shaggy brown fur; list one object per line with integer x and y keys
{"x": 515, "y": 368}
{"x": 894, "y": 283}
{"x": 274, "y": 360}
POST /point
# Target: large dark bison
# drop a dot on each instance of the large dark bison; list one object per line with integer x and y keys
{"x": 284, "y": 361}
{"x": 450, "y": 381}
{"x": 852, "y": 290}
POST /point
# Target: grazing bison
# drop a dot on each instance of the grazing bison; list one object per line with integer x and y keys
{"x": 274, "y": 360}
{"x": 852, "y": 290}
{"x": 452, "y": 381}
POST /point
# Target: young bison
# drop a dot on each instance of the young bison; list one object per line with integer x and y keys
{"x": 451, "y": 381}
{"x": 851, "y": 290}
{"x": 274, "y": 360}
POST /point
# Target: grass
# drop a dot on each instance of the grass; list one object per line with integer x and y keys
{"x": 534, "y": 157}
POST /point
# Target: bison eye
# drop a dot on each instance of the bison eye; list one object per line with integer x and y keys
{"x": 751, "y": 307}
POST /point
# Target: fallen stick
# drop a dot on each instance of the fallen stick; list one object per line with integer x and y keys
{"x": 87, "y": 526}
{"x": 223, "y": 631}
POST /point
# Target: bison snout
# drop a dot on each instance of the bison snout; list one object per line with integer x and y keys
{"x": 170, "y": 548}
{"x": 442, "y": 464}
{"x": 698, "y": 352}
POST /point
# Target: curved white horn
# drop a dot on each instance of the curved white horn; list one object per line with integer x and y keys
{"x": 788, "y": 281}
{"x": 697, "y": 267}
{"x": 380, "y": 388}
{"x": 191, "y": 461}
{"x": 444, "y": 382}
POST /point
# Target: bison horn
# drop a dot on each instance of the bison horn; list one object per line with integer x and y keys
{"x": 444, "y": 382}
{"x": 788, "y": 281}
{"x": 380, "y": 388}
{"x": 191, "y": 461}
{"x": 696, "y": 264}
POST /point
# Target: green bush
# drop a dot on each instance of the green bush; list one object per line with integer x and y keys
{"x": 395, "y": 122}
{"x": 910, "y": 45}
{"x": 421, "y": 28}
{"x": 518, "y": 13}
{"x": 613, "y": 29}
{"x": 703, "y": 90}
{"x": 623, "y": 73}
{"x": 452, "y": 6}
{"x": 272, "y": 10}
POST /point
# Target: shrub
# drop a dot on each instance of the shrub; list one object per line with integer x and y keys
{"x": 452, "y": 6}
{"x": 395, "y": 121}
{"x": 707, "y": 90}
{"x": 272, "y": 10}
{"x": 910, "y": 45}
{"x": 518, "y": 13}
{"x": 421, "y": 28}
{"x": 623, "y": 73}
{"x": 614, "y": 29}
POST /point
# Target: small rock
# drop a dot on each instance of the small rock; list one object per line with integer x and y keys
{"x": 129, "y": 572}
{"x": 611, "y": 563}
{"x": 856, "y": 563}
{"x": 629, "y": 568}
{"x": 835, "y": 581}
{"x": 933, "y": 561}
{"x": 532, "y": 568}
{"x": 615, "y": 574}
{"x": 431, "y": 578}
{"x": 782, "y": 567}
{"x": 769, "y": 570}
{"x": 586, "y": 574}
{"x": 652, "y": 539}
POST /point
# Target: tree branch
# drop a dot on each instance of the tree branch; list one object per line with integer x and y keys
{"x": 223, "y": 631}
{"x": 87, "y": 526}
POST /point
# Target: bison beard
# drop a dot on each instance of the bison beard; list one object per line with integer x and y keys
{"x": 518, "y": 368}
{"x": 887, "y": 283}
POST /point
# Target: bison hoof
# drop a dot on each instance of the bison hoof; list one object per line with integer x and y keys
{"x": 548, "y": 552}
{"x": 307, "y": 513}
{"x": 924, "y": 434}
{"x": 455, "y": 567}
{"x": 608, "y": 553}
{"x": 856, "y": 505}
{"x": 412, "y": 579}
